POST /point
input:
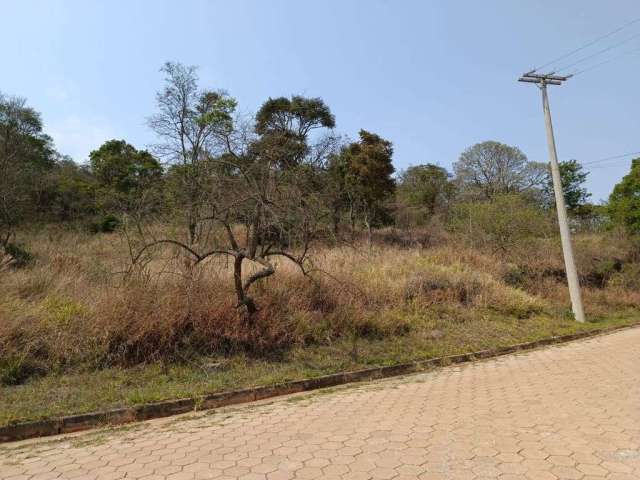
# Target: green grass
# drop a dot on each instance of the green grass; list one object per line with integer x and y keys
{"x": 72, "y": 393}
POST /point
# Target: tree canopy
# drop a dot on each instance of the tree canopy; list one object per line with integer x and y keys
{"x": 121, "y": 167}
{"x": 297, "y": 115}
{"x": 573, "y": 178}
{"x": 362, "y": 175}
{"x": 284, "y": 126}
{"x": 624, "y": 202}
{"x": 26, "y": 155}
{"x": 189, "y": 123}
{"x": 491, "y": 168}
{"x": 426, "y": 187}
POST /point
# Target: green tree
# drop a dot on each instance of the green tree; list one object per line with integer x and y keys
{"x": 502, "y": 223}
{"x": 26, "y": 155}
{"x": 242, "y": 197}
{"x": 189, "y": 123}
{"x": 284, "y": 125}
{"x": 122, "y": 167}
{"x": 71, "y": 193}
{"x": 624, "y": 201}
{"x": 123, "y": 174}
{"x": 425, "y": 189}
{"x": 298, "y": 115}
{"x": 573, "y": 178}
{"x": 363, "y": 173}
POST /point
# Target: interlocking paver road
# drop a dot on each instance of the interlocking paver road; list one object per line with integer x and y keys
{"x": 566, "y": 412}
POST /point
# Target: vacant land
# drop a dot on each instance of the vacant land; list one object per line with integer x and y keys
{"x": 81, "y": 332}
{"x": 246, "y": 249}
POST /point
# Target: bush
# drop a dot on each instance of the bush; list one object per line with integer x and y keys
{"x": 628, "y": 277}
{"x": 16, "y": 369}
{"x": 68, "y": 311}
{"x": 107, "y": 224}
{"x": 501, "y": 223}
{"x": 515, "y": 276}
{"x": 19, "y": 256}
{"x": 457, "y": 284}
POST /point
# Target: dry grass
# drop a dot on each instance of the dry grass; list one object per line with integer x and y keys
{"x": 74, "y": 311}
{"x": 74, "y": 319}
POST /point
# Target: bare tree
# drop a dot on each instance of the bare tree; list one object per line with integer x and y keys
{"x": 491, "y": 168}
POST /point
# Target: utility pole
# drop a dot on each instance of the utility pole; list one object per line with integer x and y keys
{"x": 565, "y": 235}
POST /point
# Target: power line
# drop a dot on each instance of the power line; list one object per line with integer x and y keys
{"x": 607, "y": 159}
{"x": 597, "y": 167}
{"x": 593, "y": 42}
{"x": 589, "y": 57}
{"x": 587, "y": 69}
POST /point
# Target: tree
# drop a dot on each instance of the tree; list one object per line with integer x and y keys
{"x": 26, "y": 154}
{"x": 71, "y": 191}
{"x": 362, "y": 173}
{"x": 624, "y": 201}
{"x": 296, "y": 116}
{"x": 189, "y": 120}
{"x": 243, "y": 196}
{"x": 338, "y": 193}
{"x": 573, "y": 178}
{"x": 123, "y": 174}
{"x": 491, "y": 168}
{"x": 119, "y": 166}
{"x": 425, "y": 189}
{"x": 284, "y": 126}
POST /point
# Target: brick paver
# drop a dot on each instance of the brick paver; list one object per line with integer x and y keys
{"x": 565, "y": 412}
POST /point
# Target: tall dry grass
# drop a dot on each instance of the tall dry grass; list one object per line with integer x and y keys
{"x": 76, "y": 308}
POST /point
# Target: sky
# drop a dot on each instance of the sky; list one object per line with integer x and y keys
{"x": 432, "y": 76}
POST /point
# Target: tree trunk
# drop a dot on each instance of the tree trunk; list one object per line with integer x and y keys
{"x": 369, "y": 233}
{"x": 192, "y": 231}
{"x": 336, "y": 221}
{"x": 243, "y": 299}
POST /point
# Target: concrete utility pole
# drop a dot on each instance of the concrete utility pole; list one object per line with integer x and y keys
{"x": 565, "y": 235}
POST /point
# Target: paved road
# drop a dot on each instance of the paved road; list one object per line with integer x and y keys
{"x": 566, "y": 412}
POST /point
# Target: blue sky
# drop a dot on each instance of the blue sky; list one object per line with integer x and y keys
{"x": 433, "y": 76}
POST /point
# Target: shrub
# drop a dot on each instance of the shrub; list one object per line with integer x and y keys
{"x": 458, "y": 285}
{"x": 502, "y": 223}
{"x": 18, "y": 255}
{"x": 444, "y": 285}
{"x": 628, "y": 277}
{"x": 107, "y": 224}
{"x": 515, "y": 276}
{"x": 15, "y": 369}
{"x": 72, "y": 311}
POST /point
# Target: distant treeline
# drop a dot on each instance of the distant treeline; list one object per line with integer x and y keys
{"x": 285, "y": 174}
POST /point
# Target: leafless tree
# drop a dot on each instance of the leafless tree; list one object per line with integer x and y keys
{"x": 491, "y": 168}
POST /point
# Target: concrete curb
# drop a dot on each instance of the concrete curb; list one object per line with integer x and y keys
{"x": 86, "y": 421}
